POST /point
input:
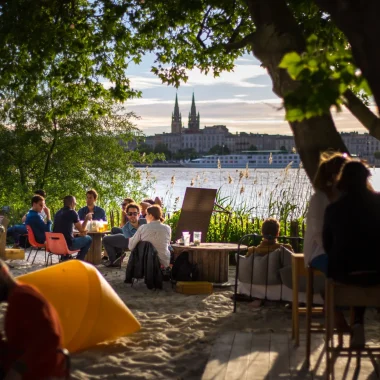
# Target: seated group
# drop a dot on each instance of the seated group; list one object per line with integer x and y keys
{"x": 127, "y": 236}
{"x": 341, "y": 228}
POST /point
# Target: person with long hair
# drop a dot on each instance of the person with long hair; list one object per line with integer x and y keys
{"x": 349, "y": 236}
{"x": 156, "y": 233}
{"x": 325, "y": 192}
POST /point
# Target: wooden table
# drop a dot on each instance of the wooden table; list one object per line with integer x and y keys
{"x": 94, "y": 254}
{"x": 211, "y": 258}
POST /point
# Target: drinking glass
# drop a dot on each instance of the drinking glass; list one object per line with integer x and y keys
{"x": 197, "y": 237}
{"x": 186, "y": 238}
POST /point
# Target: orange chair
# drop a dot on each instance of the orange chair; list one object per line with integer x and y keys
{"x": 56, "y": 245}
{"x": 34, "y": 244}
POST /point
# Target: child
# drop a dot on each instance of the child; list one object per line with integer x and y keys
{"x": 270, "y": 230}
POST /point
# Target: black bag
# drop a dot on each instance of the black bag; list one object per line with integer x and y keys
{"x": 183, "y": 270}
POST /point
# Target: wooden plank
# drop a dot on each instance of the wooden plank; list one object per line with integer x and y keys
{"x": 279, "y": 357}
{"x": 240, "y": 354}
{"x": 297, "y": 356}
{"x": 258, "y": 363}
{"x": 3, "y": 236}
{"x": 218, "y": 360}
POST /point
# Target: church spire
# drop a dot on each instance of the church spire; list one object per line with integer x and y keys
{"x": 193, "y": 118}
{"x": 176, "y": 118}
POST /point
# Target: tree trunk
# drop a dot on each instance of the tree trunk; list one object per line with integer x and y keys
{"x": 359, "y": 21}
{"x": 277, "y": 33}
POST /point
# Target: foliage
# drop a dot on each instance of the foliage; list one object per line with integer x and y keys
{"x": 69, "y": 156}
{"x": 221, "y": 150}
{"x": 324, "y": 74}
{"x": 68, "y": 48}
{"x": 163, "y": 149}
{"x": 377, "y": 155}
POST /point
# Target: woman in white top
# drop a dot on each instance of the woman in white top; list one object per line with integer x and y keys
{"x": 156, "y": 233}
{"x": 325, "y": 192}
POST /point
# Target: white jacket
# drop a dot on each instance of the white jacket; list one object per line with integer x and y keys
{"x": 313, "y": 244}
{"x": 156, "y": 233}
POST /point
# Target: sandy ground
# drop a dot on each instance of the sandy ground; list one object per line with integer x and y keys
{"x": 177, "y": 330}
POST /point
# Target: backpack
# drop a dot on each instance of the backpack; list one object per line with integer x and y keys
{"x": 183, "y": 270}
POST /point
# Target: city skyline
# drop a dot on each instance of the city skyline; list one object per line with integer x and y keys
{"x": 242, "y": 100}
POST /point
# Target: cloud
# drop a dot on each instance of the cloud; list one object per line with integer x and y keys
{"x": 157, "y": 101}
{"x": 236, "y": 78}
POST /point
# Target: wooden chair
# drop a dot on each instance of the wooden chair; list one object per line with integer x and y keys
{"x": 310, "y": 272}
{"x": 298, "y": 269}
{"x": 338, "y": 294}
{"x": 56, "y": 245}
{"x": 34, "y": 245}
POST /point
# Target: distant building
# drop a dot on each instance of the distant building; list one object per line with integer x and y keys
{"x": 194, "y": 119}
{"x": 176, "y": 118}
{"x": 202, "y": 140}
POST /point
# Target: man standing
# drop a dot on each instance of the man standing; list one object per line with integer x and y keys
{"x": 67, "y": 218}
{"x": 35, "y": 220}
{"x": 33, "y": 331}
{"x": 97, "y": 212}
{"x": 114, "y": 243}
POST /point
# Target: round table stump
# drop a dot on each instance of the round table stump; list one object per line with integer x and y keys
{"x": 94, "y": 254}
{"x": 212, "y": 260}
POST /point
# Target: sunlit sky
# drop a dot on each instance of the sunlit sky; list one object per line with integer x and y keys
{"x": 242, "y": 100}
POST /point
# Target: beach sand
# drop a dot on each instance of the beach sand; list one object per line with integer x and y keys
{"x": 177, "y": 330}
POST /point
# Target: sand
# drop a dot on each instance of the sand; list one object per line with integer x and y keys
{"x": 177, "y": 330}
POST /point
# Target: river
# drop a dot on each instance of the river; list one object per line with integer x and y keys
{"x": 261, "y": 191}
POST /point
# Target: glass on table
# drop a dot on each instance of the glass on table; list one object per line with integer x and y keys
{"x": 197, "y": 237}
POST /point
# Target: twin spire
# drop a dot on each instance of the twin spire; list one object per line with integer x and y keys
{"x": 194, "y": 119}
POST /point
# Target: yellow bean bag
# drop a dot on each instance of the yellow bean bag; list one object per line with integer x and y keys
{"x": 89, "y": 309}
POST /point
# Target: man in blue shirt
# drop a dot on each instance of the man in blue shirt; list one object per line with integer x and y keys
{"x": 35, "y": 220}
{"x": 97, "y": 212}
{"x": 115, "y": 243}
{"x": 64, "y": 221}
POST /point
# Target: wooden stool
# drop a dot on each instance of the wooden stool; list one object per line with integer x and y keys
{"x": 310, "y": 310}
{"x": 337, "y": 294}
{"x": 298, "y": 269}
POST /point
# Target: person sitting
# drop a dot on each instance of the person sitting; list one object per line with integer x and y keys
{"x": 270, "y": 230}
{"x": 156, "y": 233}
{"x": 33, "y": 331}
{"x": 64, "y": 221}
{"x": 325, "y": 192}
{"x": 35, "y": 220}
{"x": 43, "y": 195}
{"x": 144, "y": 205}
{"x": 124, "y": 219}
{"x": 97, "y": 212}
{"x": 115, "y": 244}
{"x": 349, "y": 232}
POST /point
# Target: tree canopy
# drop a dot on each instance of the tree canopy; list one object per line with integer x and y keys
{"x": 313, "y": 51}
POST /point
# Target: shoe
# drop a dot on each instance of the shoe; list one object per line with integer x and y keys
{"x": 118, "y": 261}
{"x": 357, "y": 336}
{"x": 106, "y": 263}
{"x": 104, "y": 258}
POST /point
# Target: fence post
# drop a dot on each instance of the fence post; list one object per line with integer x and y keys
{"x": 294, "y": 232}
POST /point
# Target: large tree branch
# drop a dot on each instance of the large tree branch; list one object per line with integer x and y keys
{"x": 362, "y": 113}
{"x": 248, "y": 39}
{"x": 203, "y": 23}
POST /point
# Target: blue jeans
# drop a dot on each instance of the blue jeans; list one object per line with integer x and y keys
{"x": 16, "y": 231}
{"x": 321, "y": 263}
{"x": 83, "y": 243}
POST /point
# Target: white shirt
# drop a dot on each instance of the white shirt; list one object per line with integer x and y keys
{"x": 313, "y": 244}
{"x": 159, "y": 235}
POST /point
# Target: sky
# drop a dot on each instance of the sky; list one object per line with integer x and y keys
{"x": 242, "y": 100}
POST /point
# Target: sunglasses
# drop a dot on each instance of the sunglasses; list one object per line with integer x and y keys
{"x": 132, "y": 213}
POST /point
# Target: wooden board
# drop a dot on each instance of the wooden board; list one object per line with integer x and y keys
{"x": 3, "y": 235}
{"x": 257, "y": 356}
{"x": 196, "y": 211}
